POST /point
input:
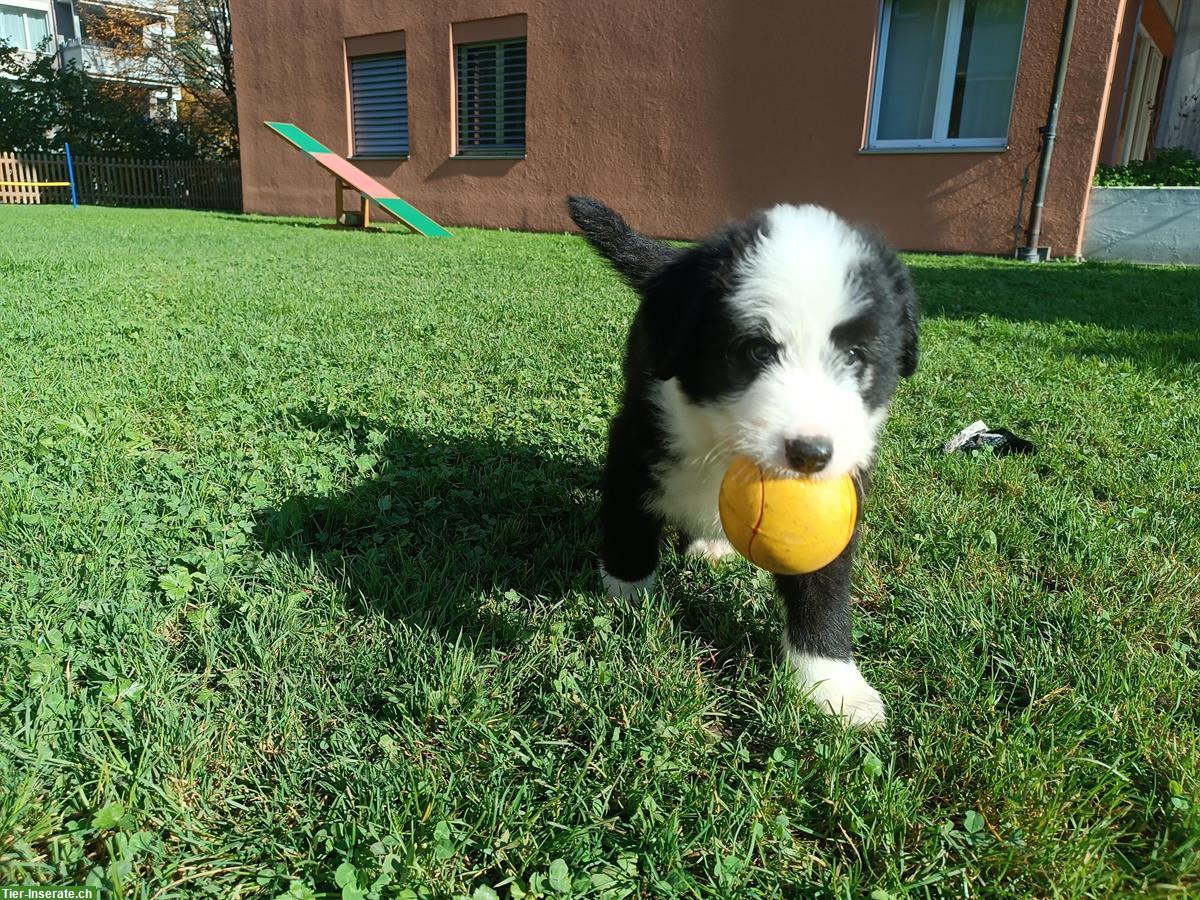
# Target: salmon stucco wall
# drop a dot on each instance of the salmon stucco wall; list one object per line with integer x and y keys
{"x": 680, "y": 115}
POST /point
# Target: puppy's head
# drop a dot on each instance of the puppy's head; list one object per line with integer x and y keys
{"x": 786, "y": 333}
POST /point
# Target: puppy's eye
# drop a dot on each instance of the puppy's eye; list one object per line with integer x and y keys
{"x": 856, "y": 356}
{"x": 762, "y": 351}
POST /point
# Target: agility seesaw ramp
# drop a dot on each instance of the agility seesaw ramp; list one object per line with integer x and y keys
{"x": 350, "y": 176}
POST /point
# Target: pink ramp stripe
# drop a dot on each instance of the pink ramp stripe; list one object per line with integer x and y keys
{"x": 353, "y": 176}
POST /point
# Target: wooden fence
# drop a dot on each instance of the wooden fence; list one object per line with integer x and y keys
{"x": 113, "y": 181}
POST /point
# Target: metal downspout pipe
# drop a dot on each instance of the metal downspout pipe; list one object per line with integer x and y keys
{"x": 1029, "y": 253}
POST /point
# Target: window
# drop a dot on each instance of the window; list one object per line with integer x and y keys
{"x": 490, "y": 87}
{"x": 945, "y": 73}
{"x": 1141, "y": 99}
{"x": 379, "y": 105}
{"x": 25, "y": 29}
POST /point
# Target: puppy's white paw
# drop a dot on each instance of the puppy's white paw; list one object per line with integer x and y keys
{"x": 712, "y": 549}
{"x": 838, "y": 688}
{"x": 626, "y": 590}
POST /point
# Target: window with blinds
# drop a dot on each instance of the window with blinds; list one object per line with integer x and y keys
{"x": 490, "y": 85}
{"x": 379, "y": 101}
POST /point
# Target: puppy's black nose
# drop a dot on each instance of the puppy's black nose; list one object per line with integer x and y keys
{"x": 808, "y": 454}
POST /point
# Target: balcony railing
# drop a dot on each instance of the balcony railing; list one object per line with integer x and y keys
{"x": 104, "y": 62}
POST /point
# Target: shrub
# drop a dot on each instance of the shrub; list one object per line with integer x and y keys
{"x": 1173, "y": 167}
{"x": 43, "y": 107}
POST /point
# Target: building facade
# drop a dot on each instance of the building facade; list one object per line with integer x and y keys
{"x": 920, "y": 117}
{"x": 1156, "y": 81}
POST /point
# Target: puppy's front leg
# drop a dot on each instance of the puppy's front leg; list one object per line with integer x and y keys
{"x": 630, "y": 532}
{"x": 819, "y": 646}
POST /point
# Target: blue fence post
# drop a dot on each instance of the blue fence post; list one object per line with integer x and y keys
{"x": 71, "y": 176}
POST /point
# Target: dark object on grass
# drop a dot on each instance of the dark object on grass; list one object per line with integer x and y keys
{"x": 977, "y": 435}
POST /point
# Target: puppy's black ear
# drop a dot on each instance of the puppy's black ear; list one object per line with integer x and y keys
{"x": 906, "y": 295}
{"x": 676, "y": 295}
{"x": 670, "y": 303}
{"x": 895, "y": 280}
{"x": 633, "y": 255}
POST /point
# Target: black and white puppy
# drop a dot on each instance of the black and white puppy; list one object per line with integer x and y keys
{"x": 782, "y": 338}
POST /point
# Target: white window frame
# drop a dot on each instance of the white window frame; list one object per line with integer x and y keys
{"x": 1141, "y": 97}
{"x": 27, "y": 7}
{"x": 945, "y": 90}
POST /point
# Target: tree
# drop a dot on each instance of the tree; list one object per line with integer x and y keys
{"x": 43, "y": 107}
{"x": 182, "y": 43}
{"x": 201, "y": 55}
{"x": 29, "y": 105}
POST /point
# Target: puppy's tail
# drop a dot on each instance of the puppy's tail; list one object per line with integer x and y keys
{"x": 633, "y": 255}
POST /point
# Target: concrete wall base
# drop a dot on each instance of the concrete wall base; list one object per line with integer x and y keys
{"x": 1143, "y": 224}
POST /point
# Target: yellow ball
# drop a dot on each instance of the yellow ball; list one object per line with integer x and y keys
{"x": 789, "y": 526}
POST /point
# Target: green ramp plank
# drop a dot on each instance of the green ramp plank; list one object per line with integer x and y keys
{"x": 302, "y": 139}
{"x": 412, "y": 217}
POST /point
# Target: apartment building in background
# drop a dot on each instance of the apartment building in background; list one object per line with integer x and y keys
{"x": 86, "y": 35}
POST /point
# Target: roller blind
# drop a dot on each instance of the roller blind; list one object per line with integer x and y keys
{"x": 379, "y": 96}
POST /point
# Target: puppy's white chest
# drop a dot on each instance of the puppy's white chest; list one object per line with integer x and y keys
{"x": 689, "y": 479}
{"x": 687, "y": 497}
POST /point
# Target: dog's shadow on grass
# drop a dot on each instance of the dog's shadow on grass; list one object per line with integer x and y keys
{"x": 438, "y": 524}
{"x": 461, "y": 535}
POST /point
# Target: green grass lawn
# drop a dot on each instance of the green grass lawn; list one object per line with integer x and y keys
{"x": 297, "y": 588}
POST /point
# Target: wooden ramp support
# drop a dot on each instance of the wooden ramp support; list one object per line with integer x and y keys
{"x": 347, "y": 175}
